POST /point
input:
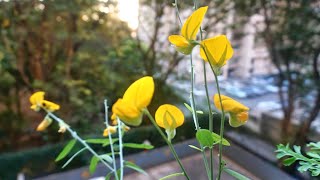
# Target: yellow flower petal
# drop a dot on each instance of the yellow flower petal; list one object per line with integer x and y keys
{"x": 36, "y": 99}
{"x": 239, "y": 119}
{"x": 178, "y": 41}
{"x": 181, "y": 44}
{"x": 50, "y": 106}
{"x": 127, "y": 112}
{"x": 229, "y": 104}
{"x": 213, "y": 49}
{"x": 140, "y": 92}
{"x": 111, "y": 129}
{"x": 238, "y": 112}
{"x": 191, "y": 27}
{"x": 169, "y": 116}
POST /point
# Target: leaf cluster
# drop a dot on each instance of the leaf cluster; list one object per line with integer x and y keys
{"x": 308, "y": 162}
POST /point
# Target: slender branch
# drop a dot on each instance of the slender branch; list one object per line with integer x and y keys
{"x": 110, "y": 139}
{"x": 120, "y": 147}
{"x": 75, "y": 136}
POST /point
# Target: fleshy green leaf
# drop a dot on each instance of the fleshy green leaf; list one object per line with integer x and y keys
{"x": 205, "y": 138}
{"x": 93, "y": 164}
{"x": 97, "y": 141}
{"x": 138, "y": 146}
{"x": 217, "y": 138}
{"x": 235, "y": 174}
{"x": 172, "y": 175}
{"x": 135, "y": 167}
{"x": 66, "y": 150}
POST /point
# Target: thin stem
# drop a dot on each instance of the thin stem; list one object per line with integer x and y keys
{"x": 75, "y": 136}
{"x": 169, "y": 143}
{"x": 209, "y": 105}
{"x": 110, "y": 139}
{"x": 120, "y": 147}
{"x": 221, "y": 127}
{"x": 177, "y": 12}
{"x": 192, "y": 101}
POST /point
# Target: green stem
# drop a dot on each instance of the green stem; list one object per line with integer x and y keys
{"x": 192, "y": 101}
{"x": 110, "y": 139}
{"x": 169, "y": 143}
{"x": 221, "y": 127}
{"x": 120, "y": 147}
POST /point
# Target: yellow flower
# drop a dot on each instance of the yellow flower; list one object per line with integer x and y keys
{"x": 110, "y": 129}
{"x": 238, "y": 112}
{"x": 216, "y": 50}
{"x": 137, "y": 97}
{"x": 169, "y": 116}
{"x": 37, "y": 101}
{"x": 184, "y": 43}
{"x": 44, "y": 124}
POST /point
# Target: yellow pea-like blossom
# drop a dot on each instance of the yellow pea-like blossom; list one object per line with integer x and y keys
{"x": 238, "y": 112}
{"x": 110, "y": 129}
{"x": 216, "y": 50}
{"x": 44, "y": 124}
{"x": 184, "y": 43}
{"x": 169, "y": 116}
{"x": 37, "y": 102}
{"x": 137, "y": 97}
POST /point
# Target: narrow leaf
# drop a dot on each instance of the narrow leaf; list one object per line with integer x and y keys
{"x": 66, "y": 150}
{"x": 135, "y": 167}
{"x": 93, "y": 164}
{"x": 97, "y": 141}
{"x": 199, "y": 112}
{"x": 172, "y": 175}
{"x": 108, "y": 142}
{"x": 188, "y": 107}
{"x": 138, "y": 146}
{"x": 217, "y": 138}
{"x": 235, "y": 174}
{"x": 194, "y": 147}
{"x": 205, "y": 138}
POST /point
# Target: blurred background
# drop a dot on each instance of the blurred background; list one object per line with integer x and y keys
{"x": 81, "y": 52}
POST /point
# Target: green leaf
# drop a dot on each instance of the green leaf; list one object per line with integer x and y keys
{"x": 172, "y": 175}
{"x": 188, "y": 107}
{"x": 281, "y": 155}
{"x": 235, "y": 174}
{"x": 194, "y": 147}
{"x": 108, "y": 176}
{"x": 297, "y": 149}
{"x": 66, "y": 150}
{"x": 217, "y": 138}
{"x": 138, "y": 146}
{"x": 289, "y": 161}
{"x": 135, "y": 167}
{"x": 93, "y": 164}
{"x": 97, "y": 141}
{"x": 199, "y": 112}
{"x": 108, "y": 142}
{"x": 313, "y": 155}
{"x": 106, "y": 157}
{"x": 205, "y": 138}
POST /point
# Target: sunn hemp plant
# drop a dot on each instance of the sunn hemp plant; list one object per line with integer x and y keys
{"x": 129, "y": 110}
